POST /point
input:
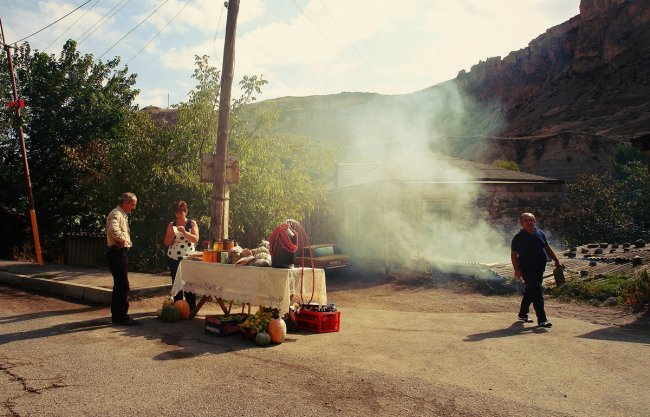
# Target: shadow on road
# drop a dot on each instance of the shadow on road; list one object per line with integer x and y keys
{"x": 187, "y": 338}
{"x": 57, "y": 330}
{"x": 514, "y": 329}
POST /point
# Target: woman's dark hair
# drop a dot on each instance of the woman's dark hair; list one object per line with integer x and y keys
{"x": 180, "y": 205}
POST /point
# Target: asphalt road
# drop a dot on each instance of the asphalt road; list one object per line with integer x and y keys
{"x": 399, "y": 352}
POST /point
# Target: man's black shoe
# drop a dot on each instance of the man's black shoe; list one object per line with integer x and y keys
{"x": 127, "y": 322}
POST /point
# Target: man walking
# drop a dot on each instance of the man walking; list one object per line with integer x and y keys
{"x": 529, "y": 253}
{"x": 118, "y": 237}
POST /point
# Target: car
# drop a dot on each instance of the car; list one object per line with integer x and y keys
{"x": 326, "y": 256}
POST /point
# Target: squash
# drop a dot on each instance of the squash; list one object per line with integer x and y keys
{"x": 262, "y": 339}
{"x": 184, "y": 309}
{"x": 159, "y": 312}
{"x": 277, "y": 330}
{"x": 170, "y": 314}
{"x": 168, "y": 302}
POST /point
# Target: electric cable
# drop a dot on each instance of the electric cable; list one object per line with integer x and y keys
{"x": 363, "y": 58}
{"x": 56, "y": 21}
{"x": 136, "y": 26}
{"x": 214, "y": 38}
{"x": 159, "y": 32}
{"x": 356, "y": 67}
{"x": 74, "y": 23}
{"x": 105, "y": 19}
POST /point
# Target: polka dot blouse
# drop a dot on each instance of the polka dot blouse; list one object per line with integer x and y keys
{"x": 180, "y": 245}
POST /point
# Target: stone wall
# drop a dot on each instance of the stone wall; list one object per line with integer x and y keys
{"x": 504, "y": 203}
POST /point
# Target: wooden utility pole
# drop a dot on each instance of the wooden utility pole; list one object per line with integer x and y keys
{"x": 220, "y": 195}
{"x": 17, "y": 104}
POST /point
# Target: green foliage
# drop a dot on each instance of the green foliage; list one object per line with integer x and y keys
{"x": 75, "y": 109}
{"x": 598, "y": 289}
{"x": 597, "y": 211}
{"x": 637, "y": 289}
{"x": 506, "y": 164}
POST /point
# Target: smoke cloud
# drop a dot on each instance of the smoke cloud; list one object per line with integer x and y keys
{"x": 410, "y": 200}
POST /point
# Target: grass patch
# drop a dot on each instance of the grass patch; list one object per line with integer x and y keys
{"x": 632, "y": 290}
{"x": 596, "y": 289}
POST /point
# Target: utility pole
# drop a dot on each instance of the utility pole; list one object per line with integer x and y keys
{"x": 17, "y": 105}
{"x": 220, "y": 196}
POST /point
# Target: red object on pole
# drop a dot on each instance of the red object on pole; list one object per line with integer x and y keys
{"x": 17, "y": 104}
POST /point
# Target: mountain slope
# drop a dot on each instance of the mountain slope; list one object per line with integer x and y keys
{"x": 558, "y": 107}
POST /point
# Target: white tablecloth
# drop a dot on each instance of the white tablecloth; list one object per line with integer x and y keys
{"x": 270, "y": 287}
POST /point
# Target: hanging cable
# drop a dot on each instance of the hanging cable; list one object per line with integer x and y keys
{"x": 356, "y": 67}
{"x": 352, "y": 44}
{"x": 159, "y": 32}
{"x": 56, "y": 21}
{"x": 105, "y": 18}
{"x": 214, "y": 38}
{"x": 74, "y": 23}
{"x": 136, "y": 26}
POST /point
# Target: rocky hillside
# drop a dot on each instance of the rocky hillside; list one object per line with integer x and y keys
{"x": 558, "y": 107}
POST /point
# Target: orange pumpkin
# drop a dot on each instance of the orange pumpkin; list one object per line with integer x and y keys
{"x": 184, "y": 308}
{"x": 277, "y": 330}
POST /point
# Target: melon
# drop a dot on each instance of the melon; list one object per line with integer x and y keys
{"x": 170, "y": 313}
{"x": 262, "y": 339}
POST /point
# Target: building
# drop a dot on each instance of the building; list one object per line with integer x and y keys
{"x": 436, "y": 207}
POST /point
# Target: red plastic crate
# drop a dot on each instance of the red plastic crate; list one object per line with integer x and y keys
{"x": 318, "y": 321}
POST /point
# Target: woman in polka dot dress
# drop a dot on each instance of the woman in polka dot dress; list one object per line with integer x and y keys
{"x": 181, "y": 237}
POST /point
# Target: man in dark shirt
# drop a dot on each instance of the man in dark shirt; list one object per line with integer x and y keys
{"x": 529, "y": 253}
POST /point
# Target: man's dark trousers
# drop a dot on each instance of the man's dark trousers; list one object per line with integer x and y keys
{"x": 533, "y": 294}
{"x": 118, "y": 262}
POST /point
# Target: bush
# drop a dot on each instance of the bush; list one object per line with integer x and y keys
{"x": 637, "y": 289}
{"x": 599, "y": 289}
{"x": 511, "y": 165}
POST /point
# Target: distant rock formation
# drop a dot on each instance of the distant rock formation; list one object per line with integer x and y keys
{"x": 573, "y": 94}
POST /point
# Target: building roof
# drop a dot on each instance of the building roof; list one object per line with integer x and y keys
{"x": 432, "y": 168}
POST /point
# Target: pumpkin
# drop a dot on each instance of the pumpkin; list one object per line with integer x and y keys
{"x": 262, "y": 339}
{"x": 168, "y": 302}
{"x": 170, "y": 313}
{"x": 184, "y": 309}
{"x": 277, "y": 330}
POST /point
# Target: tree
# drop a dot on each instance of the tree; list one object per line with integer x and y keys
{"x": 280, "y": 177}
{"x": 597, "y": 211}
{"x": 75, "y": 108}
{"x": 506, "y": 164}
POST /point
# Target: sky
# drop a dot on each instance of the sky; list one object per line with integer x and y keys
{"x": 301, "y": 47}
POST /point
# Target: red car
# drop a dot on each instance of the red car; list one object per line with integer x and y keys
{"x": 326, "y": 256}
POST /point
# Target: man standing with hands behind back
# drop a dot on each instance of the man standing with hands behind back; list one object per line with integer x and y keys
{"x": 529, "y": 253}
{"x": 118, "y": 237}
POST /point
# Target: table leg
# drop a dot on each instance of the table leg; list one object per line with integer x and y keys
{"x": 198, "y": 306}
{"x": 223, "y": 306}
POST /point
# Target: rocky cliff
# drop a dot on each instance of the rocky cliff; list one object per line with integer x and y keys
{"x": 571, "y": 95}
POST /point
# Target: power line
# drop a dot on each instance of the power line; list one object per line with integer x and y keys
{"x": 160, "y": 31}
{"x": 56, "y": 21}
{"x": 136, "y": 26}
{"x": 82, "y": 37}
{"x": 352, "y": 44}
{"x": 328, "y": 40}
{"x": 214, "y": 38}
{"x": 74, "y": 23}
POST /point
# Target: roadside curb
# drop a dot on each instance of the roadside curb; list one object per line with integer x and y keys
{"x": 68, "y": 289}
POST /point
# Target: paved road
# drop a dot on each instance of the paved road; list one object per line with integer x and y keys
{"x": 399, "y": 352}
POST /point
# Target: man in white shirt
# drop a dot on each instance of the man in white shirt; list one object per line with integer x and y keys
{"x": 118, "y": 238}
